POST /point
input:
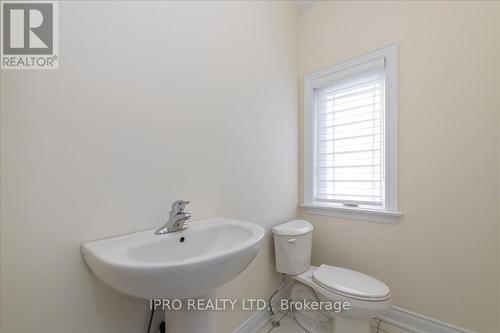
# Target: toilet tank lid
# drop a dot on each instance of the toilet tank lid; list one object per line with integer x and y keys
{"x": 293, "y": 228}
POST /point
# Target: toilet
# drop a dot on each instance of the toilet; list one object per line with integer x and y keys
{"x": 366, "y": 296}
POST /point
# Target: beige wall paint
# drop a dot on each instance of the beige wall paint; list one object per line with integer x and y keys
{"x": 153, "y": 101}
{"x": 497, "y": 32}
{"x": 441, "y": 258}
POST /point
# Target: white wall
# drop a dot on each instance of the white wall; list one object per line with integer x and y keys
{"x": 442, "y": 258}
{"x": 199, "y": 101}
{"x": 153, "y": 101}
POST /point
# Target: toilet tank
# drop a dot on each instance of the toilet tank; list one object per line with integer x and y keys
{"x": 292, "y": 246}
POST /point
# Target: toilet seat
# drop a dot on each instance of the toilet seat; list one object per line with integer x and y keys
{"x": 350, "y": 284}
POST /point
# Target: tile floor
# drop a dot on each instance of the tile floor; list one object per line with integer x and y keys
{"x": 289, "y": 325}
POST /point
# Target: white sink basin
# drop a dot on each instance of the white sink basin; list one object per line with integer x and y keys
{"x": 183, "y": 264}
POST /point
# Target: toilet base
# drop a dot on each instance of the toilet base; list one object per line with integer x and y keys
{"x": 356, "y": 320}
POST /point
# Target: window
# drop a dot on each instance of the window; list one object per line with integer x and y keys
{"x": 350, "y": 134}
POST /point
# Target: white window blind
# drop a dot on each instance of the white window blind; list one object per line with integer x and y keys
{"x": 349, "y": 166}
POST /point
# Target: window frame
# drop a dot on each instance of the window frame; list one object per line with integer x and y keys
{"x": 389, "y": 213}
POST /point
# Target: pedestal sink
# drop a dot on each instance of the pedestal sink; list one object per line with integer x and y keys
{"x": 191, "y": 263}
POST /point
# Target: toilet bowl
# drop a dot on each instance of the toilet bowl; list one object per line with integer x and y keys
{"x": 362, "y": 297}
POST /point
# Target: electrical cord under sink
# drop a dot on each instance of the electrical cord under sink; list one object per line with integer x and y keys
{"x": 151, "y": 316}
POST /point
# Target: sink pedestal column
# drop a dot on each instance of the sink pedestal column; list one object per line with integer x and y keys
{"x": 191, "y": 321}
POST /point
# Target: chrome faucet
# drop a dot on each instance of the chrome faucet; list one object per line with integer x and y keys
{"x": 177, "y": 219}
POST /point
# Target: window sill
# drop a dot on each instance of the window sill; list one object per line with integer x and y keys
{"x": 370, "y": 215}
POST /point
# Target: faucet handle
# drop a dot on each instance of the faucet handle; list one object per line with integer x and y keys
{"x": 178, "y": 206}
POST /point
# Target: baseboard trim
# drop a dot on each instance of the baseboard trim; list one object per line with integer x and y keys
{"x": 259, "y": 319}
{"x": 396, "y": 316}
{"x": 417, "y": 323}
